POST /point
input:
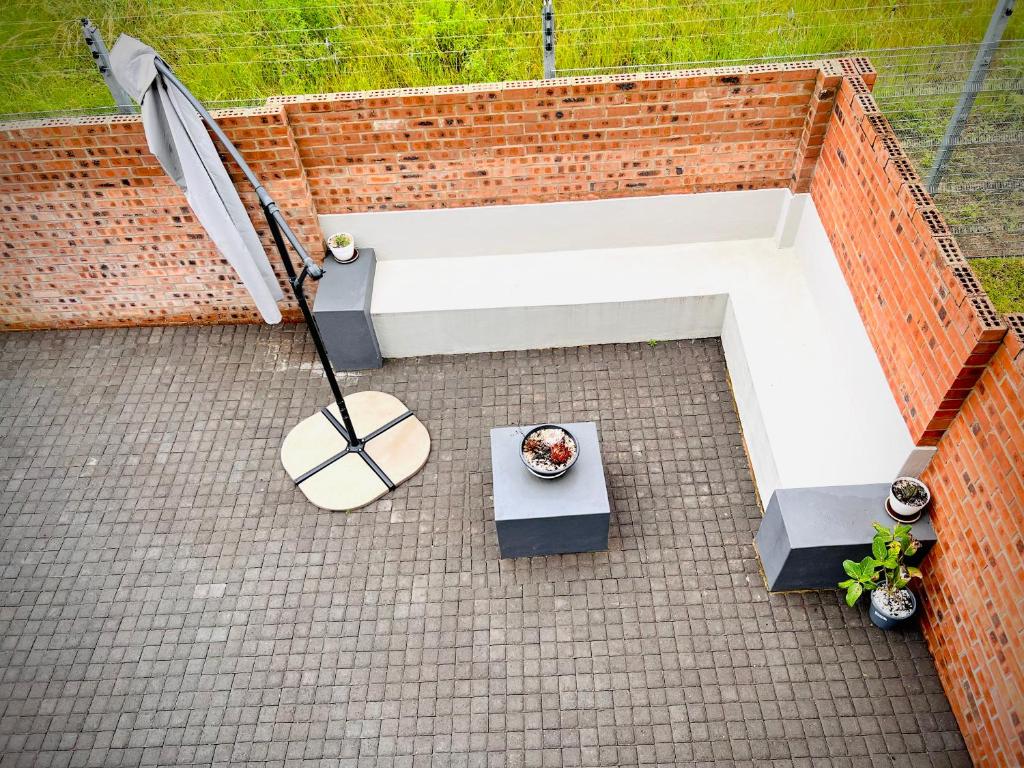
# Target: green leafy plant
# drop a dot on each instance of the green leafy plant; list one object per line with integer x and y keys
{"x": 890, "y": 549}
{"x": 885, "y": 568}
{"x": 652, "y": 343}
{"x": 863, "y": 577}
{"x": 340, "y": 240}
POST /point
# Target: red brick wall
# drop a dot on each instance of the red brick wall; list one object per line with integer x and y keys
{"x": 580, "y": 138}
{"x": 93, "y": 232}
{"x": 974, "y": 587}
{"x": 932, "y": 326}
{"x": 959, "y": 380}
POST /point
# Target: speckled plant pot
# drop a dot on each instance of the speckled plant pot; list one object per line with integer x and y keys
{"x": 882, "y": 619}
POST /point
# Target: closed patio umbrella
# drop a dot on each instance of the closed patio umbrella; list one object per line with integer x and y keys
{"x": 179, "y": 140}
{"x": 358, "y": 448}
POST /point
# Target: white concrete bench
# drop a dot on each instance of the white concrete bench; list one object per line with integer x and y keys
{"x": 754, "y": 267}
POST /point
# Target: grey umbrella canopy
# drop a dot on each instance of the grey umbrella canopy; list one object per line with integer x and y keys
{"x": 178, "y": 138}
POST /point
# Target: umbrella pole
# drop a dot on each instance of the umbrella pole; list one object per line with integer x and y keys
{"x": 296, "y": 281}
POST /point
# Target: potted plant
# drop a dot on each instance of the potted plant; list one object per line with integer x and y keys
{"x": 343, "y": 247}
{"x": 908, "y": 497}
{"x": 885, "y": 574}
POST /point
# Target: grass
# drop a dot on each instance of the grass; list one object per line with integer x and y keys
{"x": 246, "y": 49}
{"x": 241, "y": 51}
{"x": 982, "y": 194}
{"x": 1003, "y": 280}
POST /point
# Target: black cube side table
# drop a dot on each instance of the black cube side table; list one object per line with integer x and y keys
{"x": 342, "y": 311}
{"x": 549, "y": 517}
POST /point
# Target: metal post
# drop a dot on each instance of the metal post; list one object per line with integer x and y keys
{"x": 547, "y": 14}
{"x": 270, "y": 210}
{"x": 975, "y": 81}
{"x": 101, "y": 56}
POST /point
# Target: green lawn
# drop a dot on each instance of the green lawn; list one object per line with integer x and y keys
{"x": 1004, "y": 282}
{"x": 982, "y": 195}
{"x": 242, "y": 49}
{"x": 246, "y": 50}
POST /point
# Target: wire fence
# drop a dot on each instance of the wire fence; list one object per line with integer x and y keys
{"x": 239, "y": 50}
{"x": 981, "y": 192}
{"x": 238, "y": 53}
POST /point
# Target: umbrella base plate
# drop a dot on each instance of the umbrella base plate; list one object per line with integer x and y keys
{"x": 335, "y": 475}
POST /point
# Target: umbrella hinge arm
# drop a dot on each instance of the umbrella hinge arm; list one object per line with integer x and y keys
{"x": 276, "y": 220}
{"x": 300, "y": 278}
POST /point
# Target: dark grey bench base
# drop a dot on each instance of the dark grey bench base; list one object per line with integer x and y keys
{"x": 342, "y": 311}
{"x": 549, "y": 517}
{"x": 806, "y": 533}
{"x": 552, "y": 535}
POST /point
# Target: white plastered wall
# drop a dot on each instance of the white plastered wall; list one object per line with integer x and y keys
{"x": 753, "y": 267}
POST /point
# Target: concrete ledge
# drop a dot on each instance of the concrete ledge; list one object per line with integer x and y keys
{"x": 545, "y": 227}
{"x": 813, "y": 400}
{"x": 807, "y": 533}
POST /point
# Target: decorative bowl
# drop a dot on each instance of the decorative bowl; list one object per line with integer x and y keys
{"x": 543, "y": 449}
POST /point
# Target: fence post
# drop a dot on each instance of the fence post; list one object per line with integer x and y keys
{"x": 975, "y": 81}
{"x": 547, "y": 14}
{"x": 101, "y": 56}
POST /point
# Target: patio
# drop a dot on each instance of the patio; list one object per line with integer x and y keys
{"x": 169, "y": 598}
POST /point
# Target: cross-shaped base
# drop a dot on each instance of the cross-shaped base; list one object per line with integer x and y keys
{"x": 393, "y": 446}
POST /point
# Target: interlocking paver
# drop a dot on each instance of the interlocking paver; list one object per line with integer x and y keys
{"x": 168, "y": 598}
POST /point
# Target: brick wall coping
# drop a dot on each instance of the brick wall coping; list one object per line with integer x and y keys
{"x": 62, "y": 122}
{"x": 798, "y": 69}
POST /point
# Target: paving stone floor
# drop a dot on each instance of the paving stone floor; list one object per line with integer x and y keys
{"x": 168, "y": 598}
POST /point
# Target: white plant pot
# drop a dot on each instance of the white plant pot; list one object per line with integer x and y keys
{"x": 345, "y": 253}
{"x": 907, "y": 511}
